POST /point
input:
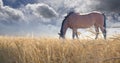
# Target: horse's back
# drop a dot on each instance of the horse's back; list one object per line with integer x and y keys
{"x": 84, "y": 21}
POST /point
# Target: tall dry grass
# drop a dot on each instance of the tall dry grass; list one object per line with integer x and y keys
{"x": 44, "y": 50}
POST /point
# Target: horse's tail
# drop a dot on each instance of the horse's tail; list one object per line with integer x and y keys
{"x": 104, "y": 32}
{"x": 104, "y": 21}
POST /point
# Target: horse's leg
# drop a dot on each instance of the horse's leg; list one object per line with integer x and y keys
{"x": 73, "y": 34}
{"x": 76, "y": 34}
{"x": 97, "y": 32}
{"x": 103, "y": 31}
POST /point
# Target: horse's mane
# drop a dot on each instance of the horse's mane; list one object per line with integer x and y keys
{"x": 66, "y": 17}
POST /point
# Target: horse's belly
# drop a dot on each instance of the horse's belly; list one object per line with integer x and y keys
{"x": 81, "y": 25}
{"x": 84, "y": 26}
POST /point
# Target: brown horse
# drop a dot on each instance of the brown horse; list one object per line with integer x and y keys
{"x": 75, "y": 20}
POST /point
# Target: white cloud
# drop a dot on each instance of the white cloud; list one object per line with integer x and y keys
{"x": 9, "y": 14}
{"x": 1, "y": 4}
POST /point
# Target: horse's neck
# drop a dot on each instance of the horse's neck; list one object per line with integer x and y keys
{"x": 64, "y": 28}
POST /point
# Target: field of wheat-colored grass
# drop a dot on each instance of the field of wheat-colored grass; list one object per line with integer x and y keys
{"x": 51, "y": 50}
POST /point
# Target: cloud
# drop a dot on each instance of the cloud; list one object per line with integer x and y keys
{"x": 108, "y": 5}
{"x": 31, "y": 18}
{"x": 97, "y": 5}
{"x": 42, "y": 10}
{"x": 10, "y": 13}
{"x": 31, "y": 12}
{"x": 1, "y": 4}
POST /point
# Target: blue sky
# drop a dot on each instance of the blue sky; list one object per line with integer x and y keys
{"x": 44, "y": 17}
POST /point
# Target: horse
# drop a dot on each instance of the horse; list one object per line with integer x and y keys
{"x": 75, "y": 21}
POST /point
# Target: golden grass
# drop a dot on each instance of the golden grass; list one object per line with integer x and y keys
{"x": 44, "y": 50}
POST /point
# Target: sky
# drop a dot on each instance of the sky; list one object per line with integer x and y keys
{"x": 44, "y": 17}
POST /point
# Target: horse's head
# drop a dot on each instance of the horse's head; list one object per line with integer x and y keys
{"x": 61, "y": 36}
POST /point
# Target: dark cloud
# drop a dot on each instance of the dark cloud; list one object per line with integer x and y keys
{"x": 42, "y": 9}
{"x": 109, "y": 5}
{"x": 46, "y": 11}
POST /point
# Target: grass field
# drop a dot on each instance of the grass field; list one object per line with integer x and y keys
{"x": 51, "y": 50}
